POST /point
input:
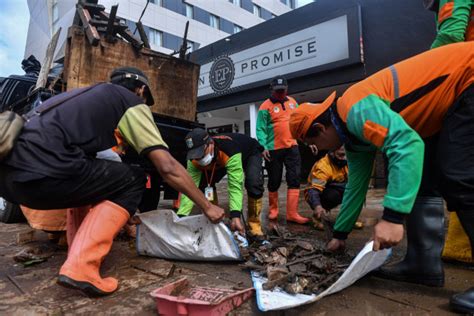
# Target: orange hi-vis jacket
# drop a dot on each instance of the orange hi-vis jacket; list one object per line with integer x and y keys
{"x": 421, "y": 89}
{"x": 455, "y": 22}
{"x": 273, "y": 124}
{"x": 391, "y": 111}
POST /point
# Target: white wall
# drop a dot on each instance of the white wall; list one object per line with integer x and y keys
{"x": 40, "y": 29}
{"x": 232, "y": 115}
{"x": 165, "y": 20}
{"x": 275, "y": 7}
{"x": 162, "y": 19}
{"x": 228, "y": 11}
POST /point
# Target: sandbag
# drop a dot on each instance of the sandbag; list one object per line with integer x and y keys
{"x": 163, "y": 234}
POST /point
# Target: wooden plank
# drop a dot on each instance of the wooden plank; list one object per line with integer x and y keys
{"x": 91, "y": 31}
{"x": 26, "y": 237}
{"x": 73, "y": 56}
{"x": 110, "y": 34}
{"x": 126, "y": 34}
{"x": 48, "y": 60}
{"x": 143, "y": 35}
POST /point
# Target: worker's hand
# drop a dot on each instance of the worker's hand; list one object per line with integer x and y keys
{"x": 314, "y": 149}
{"x": 130, "y": 230}
{"x": 266, "y": 155}
{"x": 134, "y": 220}
{"x": 336, "y": 245}
{"x": 387, "y": 235}
{"x": 214, "y": 213}
{"x": 318, "y": 212}
{"x": 236, "y": 225}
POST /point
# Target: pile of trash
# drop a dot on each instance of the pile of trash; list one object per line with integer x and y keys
{"x": 294, "y": 263}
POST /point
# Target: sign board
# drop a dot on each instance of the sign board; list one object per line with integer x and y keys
{"x": 311, "y": 47}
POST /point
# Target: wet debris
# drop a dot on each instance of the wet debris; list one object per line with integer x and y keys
{"x": 295, "y": 263}
{"x": 163, "y": 272}
{"x": 16, "y": 284}
{"x": 35, "y": 253}
{"x": 297, "y": 286}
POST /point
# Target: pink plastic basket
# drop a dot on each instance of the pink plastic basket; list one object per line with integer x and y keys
{"x": 180, "y": 298}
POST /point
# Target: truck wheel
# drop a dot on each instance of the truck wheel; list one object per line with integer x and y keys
{"x": 10, "y": 213}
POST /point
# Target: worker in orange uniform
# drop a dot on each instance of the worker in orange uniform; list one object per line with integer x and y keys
{"x": 326, "y": 184}
{"x": 455, "y": 23}
{"x": 53, "y": 165}
{"x": 419, "y": 112}
{"x": 280, "y": 149}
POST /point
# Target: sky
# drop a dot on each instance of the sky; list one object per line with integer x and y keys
{"x": 14, "y": 20}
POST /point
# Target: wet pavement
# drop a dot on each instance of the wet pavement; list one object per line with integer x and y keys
{"x": 33, "y": 290}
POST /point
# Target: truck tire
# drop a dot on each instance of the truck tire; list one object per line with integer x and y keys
{"x": 10, "y": 213}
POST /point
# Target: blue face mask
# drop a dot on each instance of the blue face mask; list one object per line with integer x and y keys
{"x": 206, "y": 160}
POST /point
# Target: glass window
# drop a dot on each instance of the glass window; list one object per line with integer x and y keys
{"x": 257, "y": 10}
{"x": 189, "y": 11}
{"x": 155, "y": 37}
{"x": 214, "y": 21}
{"x": 157, "y": 2}
{"x": 237, "y": 2}
{"x": 237, "y": 28}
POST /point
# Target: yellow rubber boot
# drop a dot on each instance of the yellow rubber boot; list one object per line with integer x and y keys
{"x": 273, "y": 203}
{"x": 457, "y": 246}
{"x": 91, "y": 244}
{"x": 254, "y": 210}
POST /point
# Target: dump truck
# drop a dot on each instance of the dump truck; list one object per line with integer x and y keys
{"x": 97, "y": 43}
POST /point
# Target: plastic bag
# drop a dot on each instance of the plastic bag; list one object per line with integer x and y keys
{"x": 164, "y": 235}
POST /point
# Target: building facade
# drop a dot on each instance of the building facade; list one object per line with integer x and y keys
{"x": 163, "y": 20}
{"x": 324, "y": 46}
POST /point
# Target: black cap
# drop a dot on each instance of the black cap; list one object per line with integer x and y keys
{"x": 278, "y": 83}
{"x": 196, "y": 142}
{"x": 133, "y": 73}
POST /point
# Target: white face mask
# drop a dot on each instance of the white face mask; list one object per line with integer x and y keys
{"x": 206, "y": 160}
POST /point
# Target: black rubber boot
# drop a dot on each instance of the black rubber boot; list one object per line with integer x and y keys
{"x": 425, "y": 234}
{"x": 464, "y": 302}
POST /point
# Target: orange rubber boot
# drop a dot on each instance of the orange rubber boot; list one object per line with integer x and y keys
{"x": 75, "y": 216}
{"x": 91, "y": 244}
{"x": 292, "y": 198}
{"x": 273, "y": 202}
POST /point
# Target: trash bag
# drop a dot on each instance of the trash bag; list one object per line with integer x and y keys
{"x": 164, "y": 235}
{"x": 31, "y": 66}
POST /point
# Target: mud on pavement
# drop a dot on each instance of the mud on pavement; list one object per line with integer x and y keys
{"x": 33, "y": 289}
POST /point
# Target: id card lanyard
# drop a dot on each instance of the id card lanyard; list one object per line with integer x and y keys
{"x": 209, "y": 191}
